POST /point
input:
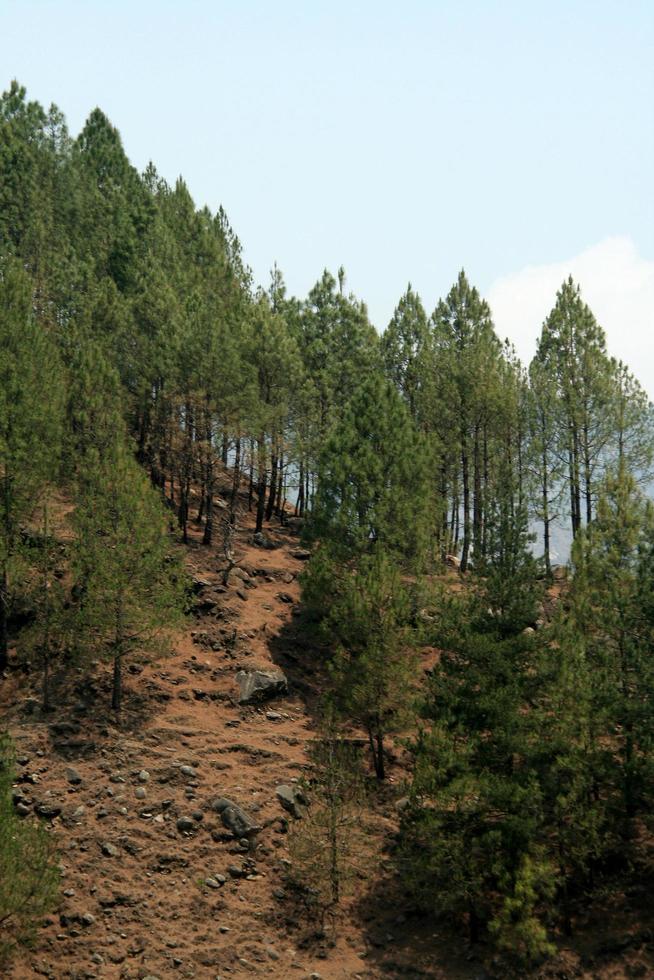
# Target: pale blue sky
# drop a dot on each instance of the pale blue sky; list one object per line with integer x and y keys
{"x": 404, "y": 140}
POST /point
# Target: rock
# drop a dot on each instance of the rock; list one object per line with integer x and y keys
{"x": 301, "y": 554}
{"x": 262, "y": 540}
{"x": 140, "y": 793}
{"x": 188, "y": 771}
{"x": 199, "y": 584}
{"x": 236, "y": 871}
{"x": 236, "y": 819}
{"x": 273, "y": 716}
{"x": 47, "y": 810}
{"x": 185, "y": 824}
{"x": 109, "y": 850}
{"x": 212, "y": 882}
{"x": 452, "y": 561}
{"x": 73, "y": 776}
{"x": 285, "y": 597}
{"x": 292, "y": 800}
{"x": 22, "y": 809}
{"x": 259, "y": 685}
{"x": 198, "y": 815}
{"x": 87, "y": 919}
{"x": 143, "y": 776}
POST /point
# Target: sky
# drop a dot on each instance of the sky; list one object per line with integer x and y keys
{"x": 404, "y": 141}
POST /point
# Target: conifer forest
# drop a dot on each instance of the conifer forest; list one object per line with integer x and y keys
{"x": 296, "y": 675}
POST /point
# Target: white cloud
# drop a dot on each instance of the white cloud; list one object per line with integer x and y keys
{"x": 616, "y": 282}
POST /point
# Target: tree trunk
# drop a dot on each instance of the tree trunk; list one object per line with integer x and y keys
{"x": 299, "y": 502}
{"x": 117, "y": 688}
{"x": 465, "y": 478}
{"x": 477, "y": 502}
{"x": 261, "y": 484}
{"x": 208, "y": 527}
{"x": 272, "y": 496}
{"x": 236, "y": 475}
{"x": 4, "y": 638}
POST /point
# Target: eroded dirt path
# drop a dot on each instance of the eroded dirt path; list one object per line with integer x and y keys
{"x": 135, "y": 901}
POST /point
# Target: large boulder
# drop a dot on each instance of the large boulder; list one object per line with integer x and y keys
{"x": 260, "y": 685}
{"x": 262, "y": 540}
{"x": 235, "y": 819}
{"x": 292, "y": 800}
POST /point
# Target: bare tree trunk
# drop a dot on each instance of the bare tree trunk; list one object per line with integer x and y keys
{"x": 273, "y": 487}
{"x": 236, "y": 475}
{"x": 261, "y": 483}
{"x": 4, "y": 638}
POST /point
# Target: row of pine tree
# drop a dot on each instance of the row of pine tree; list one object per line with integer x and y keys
{"x": 140, "y": 363}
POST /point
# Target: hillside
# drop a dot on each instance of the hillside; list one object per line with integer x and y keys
{"x": 144, "y": 895}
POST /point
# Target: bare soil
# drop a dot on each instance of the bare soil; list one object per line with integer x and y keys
{"x": 144, "y": 909}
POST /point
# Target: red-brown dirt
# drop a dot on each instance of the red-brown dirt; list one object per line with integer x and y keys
{"x": 144, "y": 910}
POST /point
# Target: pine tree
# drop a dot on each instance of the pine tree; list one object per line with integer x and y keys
{"x": 372, "y": 487}
{"x": 130, "y": 584}
{"x": 31, "y": 379}
{"x": 374, "y": 670}
{"x": 325, "y": 845}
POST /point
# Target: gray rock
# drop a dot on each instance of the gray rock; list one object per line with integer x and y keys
{"x": 259, "y": 685}
{"x": 140, "y": 793}
{"x": 188, "y": 771}
{"x": 73, "y": 776}
{"x": 87, "y": 919}
{"x": 301, "y": 554}
{"x": 184, "y": 824}
{"x": 236, "y": 819}
{"x": 22, "y": 809}
{"x": 212, "y": 882}
{"x": 292, "y": 800}
{"x": 47, "y": 810}
{"x": 143, "y": 776}
{"x": 109, "y": 850}
{"x": 236, "y": 871}
{"x": 262, "y": 540}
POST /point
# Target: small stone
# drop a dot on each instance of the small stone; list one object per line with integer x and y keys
{"x": 109, "y": 849}
{"x": 143, "y": 776}
{"x": 235, "y": 871}
{"x": 273, "y": 716}
{"x": 185, "y": 824}
{"x": 188, "y": 771}
{"x": 87, "y": 919}
{"x": 140, "y": 793}
{"x": 22, "y": 809}
{"x": 212, "y": 882}
{"x": 198, "y": 815}
{"x": 73, "y": 776}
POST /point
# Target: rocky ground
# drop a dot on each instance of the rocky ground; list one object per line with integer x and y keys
{"x": 162, "y": 874}
{"x": 154, "y": 884}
